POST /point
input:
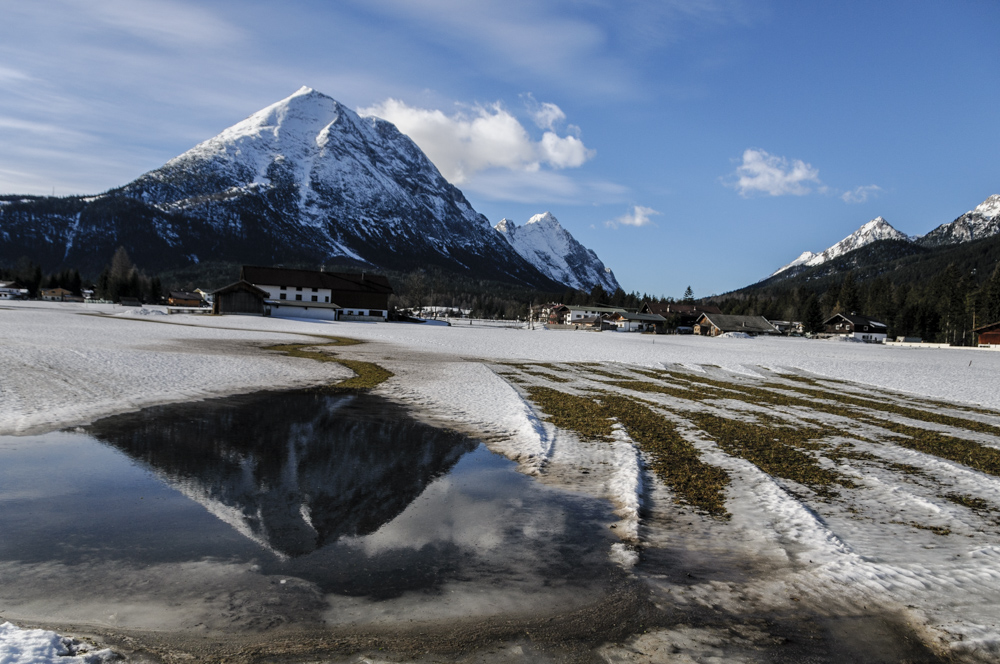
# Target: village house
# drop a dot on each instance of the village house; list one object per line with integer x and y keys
{"x": 11, "y": 290}
{"x": 988, "y": 335}
{"x": 627, "y": 321}
{"x": 713, "y": 325}
{"x": 295, "y": 293}
{"x": 678, "y": 317}
{"x": 862, "y": 328}
{"x": 55, "y": 294}
{"x": 589, "y": 316}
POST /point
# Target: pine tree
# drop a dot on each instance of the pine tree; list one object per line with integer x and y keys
{"x": 688, "y": 296}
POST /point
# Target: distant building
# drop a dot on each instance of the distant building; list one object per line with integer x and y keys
{"x": 863, "y": 328}
{"x": 678, "y": 317}
{"x": 326, "y": 295}
{"x": 989, "y": 335}
{"x": 713, "y": 325}
{"x": 240, "y": 297}
{"x": 55, "y": 294}
{"x": 11, "y": 290}
{"x": 184, "y": 299}
{"x": 630, "y": 322}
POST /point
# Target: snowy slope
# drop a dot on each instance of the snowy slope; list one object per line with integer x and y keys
{"x": 803, "y": 258}
{"x": 549, "y": 247}
{"x": 982, "y": 222}
{"x": 875, "y": 230}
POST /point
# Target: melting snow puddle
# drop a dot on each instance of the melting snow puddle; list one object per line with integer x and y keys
{"x": 282, "y": 512}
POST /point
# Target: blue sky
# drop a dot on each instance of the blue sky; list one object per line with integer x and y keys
{"x": 702, "y": 143}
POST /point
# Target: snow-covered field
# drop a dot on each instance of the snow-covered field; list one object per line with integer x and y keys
{"x": 889, "y": 538}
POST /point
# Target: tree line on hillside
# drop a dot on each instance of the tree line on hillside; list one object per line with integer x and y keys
{"x": 944, "y": 309}
{"x": 120, "y": 278}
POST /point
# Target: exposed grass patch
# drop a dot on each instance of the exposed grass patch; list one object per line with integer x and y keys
{"x": 973, "y": 503}
{"x": 905, "y": 411}
{"x": 672, "y": 458}
{"x": 366, "y": 374}
{"x": 568, "y": 411}
{"x": 937, "y": 530}
{"x": 656, "y": 388}
{"x": 966, "y": 452}
{"x": 771, "y": 447}
{"x": 547, "y": 376}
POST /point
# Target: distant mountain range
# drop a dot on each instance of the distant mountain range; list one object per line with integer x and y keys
{"x": 886, "y": 243}
{"x": 303, "y": 181}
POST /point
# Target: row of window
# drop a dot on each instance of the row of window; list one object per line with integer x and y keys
{"x": 298, "y": 297}
{"x": 298, "y": 288}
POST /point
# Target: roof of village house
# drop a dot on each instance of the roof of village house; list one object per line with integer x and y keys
{"x": 987, "y": 328}
{"x": 338, "y": 281}
{"x": 748, "y": 324}
{"x": 56, "y": 291}
{"x": 240, "y": 285}
{"x": 596, "y": 308}
{"x": 668, "y": 308}
{"x": 648, "y": 318}
{"x": 184, "y": 295}
{"x": 856, "y": 319}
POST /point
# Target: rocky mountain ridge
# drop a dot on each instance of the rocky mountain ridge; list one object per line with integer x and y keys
{"x": 304, "y": 181}
{"x": 979, "y": 223}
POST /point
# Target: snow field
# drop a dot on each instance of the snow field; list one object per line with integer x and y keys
{"x": 860, "y": 549}
{"x": 39, "y": 646}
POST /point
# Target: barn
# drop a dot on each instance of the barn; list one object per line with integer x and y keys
{"x": 240, "y": 297}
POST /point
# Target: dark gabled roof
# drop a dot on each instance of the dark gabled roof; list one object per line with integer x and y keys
{"x": 240, "y": 285}
{"x": 987, "y": 328}
{"x": 336, "y": 281}
{"x": 748, "y": 324}
{"x": 670, "y": 308}
{"x": 184, "y": 295}
{"x": 648, "y": 318}
{"x": 856, "y": 319}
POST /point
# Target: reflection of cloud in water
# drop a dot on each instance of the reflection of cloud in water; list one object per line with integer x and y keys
{"x": 291, "y": 471}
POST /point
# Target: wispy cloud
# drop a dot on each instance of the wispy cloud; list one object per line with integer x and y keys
{"x": 480, "y": 138}
{"x": 638, "y": 216}
{"x": 765, "y": 173}
{"x": 861, "y": 194}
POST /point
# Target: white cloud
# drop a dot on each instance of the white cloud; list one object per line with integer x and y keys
{"x": 639, "y": 216}
{"x": 773, "y": 175}
{"x": 481, "y": 138}
{"x": 861, "y": 194}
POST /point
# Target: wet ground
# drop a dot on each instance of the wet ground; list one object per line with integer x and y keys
{"x": 305, "y": 526}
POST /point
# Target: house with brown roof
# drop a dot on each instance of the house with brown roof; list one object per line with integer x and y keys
{"x": 862, "y": 328}
{"x": 678, "y": 316}
{"x": 293, "y": 293}
{"x": 714, "y": 325}
{"x": 988, "y": 335}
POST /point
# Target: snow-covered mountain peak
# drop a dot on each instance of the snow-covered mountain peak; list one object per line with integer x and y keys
{"x": 988, "y": 209}
{"x": 544, "y": 219}
{"x": 544, "y": 243}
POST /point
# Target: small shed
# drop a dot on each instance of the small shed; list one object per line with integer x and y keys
{"x": 240, "y": 297}
{"x": 989, "y": 335}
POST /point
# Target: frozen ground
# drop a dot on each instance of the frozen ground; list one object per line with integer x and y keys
{"x": 887, "y": 542}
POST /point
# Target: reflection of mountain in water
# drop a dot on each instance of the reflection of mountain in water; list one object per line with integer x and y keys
{"x": 292, "y": 471}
